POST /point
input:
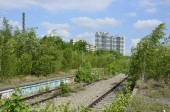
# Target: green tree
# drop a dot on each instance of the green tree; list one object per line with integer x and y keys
{"x": 148, "y": 56}
{"x": 9, "y": 60}
{"x": 84, "y": 73}
{"x": 80, "y": 45}
{"x": 67, "y": 58}
{"x": 25, "y": 64}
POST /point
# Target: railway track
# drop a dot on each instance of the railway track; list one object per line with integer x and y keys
{"x": 107, "y": 98}
{"x": 43, "y": 96}
{"x": 40, "y": 97}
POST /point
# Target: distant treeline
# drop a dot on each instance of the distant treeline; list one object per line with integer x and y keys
{"x": 23, "y": 53}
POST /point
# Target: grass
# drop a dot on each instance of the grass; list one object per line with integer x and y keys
{"x": 152, "y": 96}
{"x": 141, "y": 104}
{"x": 73, "y": 88}
{"x": 155, "y": 89}
{"x": 76, "y": 87}
{"x": 31, "y": 78}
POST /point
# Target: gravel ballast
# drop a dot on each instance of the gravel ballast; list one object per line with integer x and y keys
{"x": 91, "y": 92}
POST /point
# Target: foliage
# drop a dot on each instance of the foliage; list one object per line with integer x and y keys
{"x": 9, "y": 60}
{"x": 24, "y": 53}
{"x": 25, "y": 64}
{"x": 111, "y": 69}
{"x": 44, "y": 65}
{"x": 140, "y": 104}
{"x": 80, "y": 45}
{"x": 13, "y": 104}
{"x": 84, "y": 73}
{"x": 65, "y": 89}
{"x": 150, "y": 59}
{"x": 121, "y": 101}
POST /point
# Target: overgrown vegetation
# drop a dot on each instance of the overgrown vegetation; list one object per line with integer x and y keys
{"x": 151, "y": 57}
{"x": 14, "y": 104}
{"x": 140, "y": 104}
{"x": 65, "y": 89}
{"x": 23, "y": 53}
{"x": 86, "y": 73}
{"x": 122, "y": 100}
{"x": 150, "y": 65}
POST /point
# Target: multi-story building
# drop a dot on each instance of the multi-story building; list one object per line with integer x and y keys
{"x": 104, "y": 41}
{"x": 91, "y": 47}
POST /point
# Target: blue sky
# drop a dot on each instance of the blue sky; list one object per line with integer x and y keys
{"x": 82, "y": 18}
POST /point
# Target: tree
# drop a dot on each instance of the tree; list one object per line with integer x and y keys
{"x": 149, "y": 55}
{"x": 9, "y": 60}
{"x": 67, "y": 58}
{"x": 80, "y": 45}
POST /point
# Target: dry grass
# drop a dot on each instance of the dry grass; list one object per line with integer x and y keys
{"x": 76, "y": 87}
{"x": 31, "y": 78}
{"x": 153, "y": 96}
{"x": 154, "y": 89}
{"x": 141, "y": 104}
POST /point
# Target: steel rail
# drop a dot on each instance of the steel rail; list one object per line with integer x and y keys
{"x": 105, "y": 94}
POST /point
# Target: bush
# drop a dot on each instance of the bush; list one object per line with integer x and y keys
{"x": 65, "y": 89}
{"x": 13, "y": 104}
{"x": 44, "y": 65}
{"x": 84, "y": 73}
{"x": 25, "y": 64}
{"x": 9, "y": 60}
{"x": 111, "y": 69}
{"x": 121, "y": 101}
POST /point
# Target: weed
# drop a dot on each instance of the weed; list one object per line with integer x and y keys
{"x": 65, "y": 89}
{"x": 140, "y": 104}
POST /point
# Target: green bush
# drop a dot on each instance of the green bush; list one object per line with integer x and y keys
{"x": 84, "y": 73}
{"x": 13, "y": 104}
{"x": 121, "y": 101}
{"x": 25, "y": 64}
{"x": 65, "y": 89}
{"x": 110, "y": 69}
{"x": 9, "y": 60}
{"x": 44, "y": 65}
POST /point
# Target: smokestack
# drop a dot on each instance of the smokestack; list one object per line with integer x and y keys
{"x": 23, "y": 22}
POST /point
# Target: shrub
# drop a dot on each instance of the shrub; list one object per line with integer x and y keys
{"x": 65, "y": 89}
{"x": 84, "y": 73}
{"x": 25, "y": 64}
{"x": 13, "y": 104}
{"x": 44, "y": 65}
{"x": 121, "y": 101}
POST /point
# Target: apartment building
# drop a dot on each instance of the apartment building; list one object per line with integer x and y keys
{"x": 91, "y": 47}
{"x": 104, "y": 41}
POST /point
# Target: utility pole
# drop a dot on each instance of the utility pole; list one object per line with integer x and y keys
{"x": 23, "y": 22}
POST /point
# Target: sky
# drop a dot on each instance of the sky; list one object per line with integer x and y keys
{"x": 72, "y": 19}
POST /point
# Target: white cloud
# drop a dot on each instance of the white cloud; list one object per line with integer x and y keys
{"x": 57, "y": 5}
{"x": 131, "y": 14}
{"x": 151, "y": 10}
{"x": 89, "y": 37}
{"x": 89, "y": 23}
{"x": 53, "y": 26}
{"x": 165, "y": 2}
{"x": 143, "y": 24}
{"x": 147, "y": 3}
{"x": 135, "y": 42}
{"x": 58, "y": 29}
{"x": 14, "y": 23}
{"x": 11, "y": 22}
